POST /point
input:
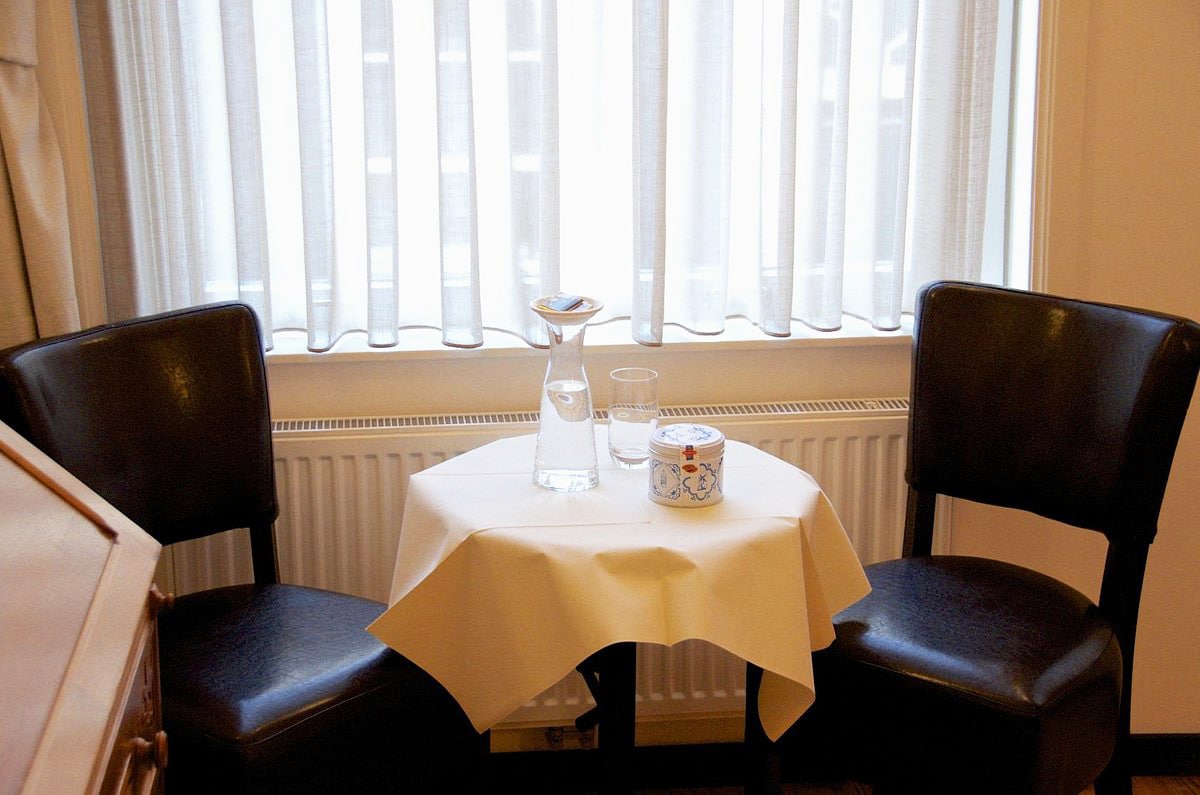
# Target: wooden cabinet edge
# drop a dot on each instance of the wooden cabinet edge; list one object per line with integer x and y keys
{"x": 94, "y": 685}
{"x": 72, "y": 754}
{"x": 136, "y": 720}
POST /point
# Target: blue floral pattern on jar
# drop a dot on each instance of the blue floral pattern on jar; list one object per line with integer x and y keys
{"x": 704, "y": 483}
{"x": 665, "y": 480}
{"x": 684, "y": 433}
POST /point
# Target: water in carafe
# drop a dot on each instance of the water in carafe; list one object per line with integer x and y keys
{"x": 566, "y": 450}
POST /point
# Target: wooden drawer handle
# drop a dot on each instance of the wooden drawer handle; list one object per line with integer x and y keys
{"x": 160, "y": 601}
{"x": 160, "y": 750}
{"x": 153, "y": 750}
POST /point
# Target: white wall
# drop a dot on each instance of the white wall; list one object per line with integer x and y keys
{"x": 1120, "y": 222}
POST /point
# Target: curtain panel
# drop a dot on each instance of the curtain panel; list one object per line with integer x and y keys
{"x": 36, "y": 275}
{"x": 372, "y": 166}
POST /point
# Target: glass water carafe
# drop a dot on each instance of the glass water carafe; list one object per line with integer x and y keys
{"x": 566, "y": 442}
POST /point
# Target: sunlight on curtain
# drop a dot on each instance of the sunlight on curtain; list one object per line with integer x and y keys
{"x": 392, "y": 165}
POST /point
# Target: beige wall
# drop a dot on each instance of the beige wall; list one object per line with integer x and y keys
{"x": 1120, "y": 222}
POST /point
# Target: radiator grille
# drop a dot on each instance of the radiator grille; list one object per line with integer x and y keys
{"x": 795, "y": 410}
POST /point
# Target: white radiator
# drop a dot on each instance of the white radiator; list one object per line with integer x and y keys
{"x": 342, "y": 485}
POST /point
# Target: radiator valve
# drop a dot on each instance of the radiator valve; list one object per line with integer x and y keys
{"x": 560, "y": 737}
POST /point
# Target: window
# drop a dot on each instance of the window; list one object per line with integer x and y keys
{"x": 382, "y": 166}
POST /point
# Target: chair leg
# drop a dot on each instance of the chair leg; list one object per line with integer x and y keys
{"x": 1116, "y": 779}
{"x": 483, "y": 769}
{"x": 764, "y": 764}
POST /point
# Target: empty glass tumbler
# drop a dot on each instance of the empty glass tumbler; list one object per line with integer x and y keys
{"x": 632, "y": 415}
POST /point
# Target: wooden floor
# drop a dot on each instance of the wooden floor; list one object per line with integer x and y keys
{"x": 1142, "y": 785}
{"x": 720, "y": 769}
{"x": 1164, "y": 785}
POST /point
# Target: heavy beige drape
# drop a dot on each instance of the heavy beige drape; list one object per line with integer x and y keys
{"x": 37, "y": 287}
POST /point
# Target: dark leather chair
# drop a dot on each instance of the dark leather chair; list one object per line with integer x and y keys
{"x": 960, "y": 674}
{"x": 266, "y": 687}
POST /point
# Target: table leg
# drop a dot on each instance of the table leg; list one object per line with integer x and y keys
{"x": 763, "y": 761}
{"x": 611, "y": 674}
{"x": 483, "y": 768}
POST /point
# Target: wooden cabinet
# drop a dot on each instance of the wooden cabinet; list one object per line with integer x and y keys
{"x": 79, "y": 698}
{"x": 139, "y": 752}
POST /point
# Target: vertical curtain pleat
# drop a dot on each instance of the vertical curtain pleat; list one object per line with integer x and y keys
{"x": 462, "y": 325}
{"x": 818, "y": 299}
{"x": 698, "y": 166}
{"x": 950, "y": 148}
{"x": 164, "y": 152}
{"x": 649, "y": 168}
{"x": 249, "y": 216}
{"x": 379, "y": 150}
{"x": 550, "y": 234}
{"x": 189, "y": 165}
{"x": 532, "y": 51}
{"x": 130, "y": 290}
{"x": 35, "y": 243}
{"x": 309, "y": 33}
{"x": 105, "y": 64}
{"x": 776, "y": 239}
{"x": 887, "y": 290}
{"x": 17, "y": 323}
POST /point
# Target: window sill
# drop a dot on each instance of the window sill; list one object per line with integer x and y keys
{"x": 741, "y": 366}
{"x": 612, "y": 337}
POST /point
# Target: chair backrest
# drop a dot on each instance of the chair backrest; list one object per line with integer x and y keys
{"x": 1062, "y": 407}
{"x": 166, "y": 417}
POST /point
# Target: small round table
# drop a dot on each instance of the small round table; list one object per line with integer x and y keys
{"x": 501, "y": 587}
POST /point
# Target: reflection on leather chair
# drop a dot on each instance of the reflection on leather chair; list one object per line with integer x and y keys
{"x": 266, "y": 687}
{"x": 959, "y": 674}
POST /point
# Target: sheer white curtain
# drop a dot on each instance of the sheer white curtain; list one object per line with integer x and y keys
{"x": 371, "y": 166}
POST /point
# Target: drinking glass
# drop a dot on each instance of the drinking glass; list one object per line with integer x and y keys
{"x": 632, "y": 415}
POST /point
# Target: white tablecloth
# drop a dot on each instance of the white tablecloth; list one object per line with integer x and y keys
{"x": 501, "y": 587}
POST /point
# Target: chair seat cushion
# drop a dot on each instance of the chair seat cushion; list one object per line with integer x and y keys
{"x": 984, "y": 628}
{"x": 959, "y": 674}
{"x": 243, "y": 663}
{"x": 281, "y": 688}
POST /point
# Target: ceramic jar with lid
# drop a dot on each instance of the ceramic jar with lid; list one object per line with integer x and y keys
{"x": 685, "y": 465}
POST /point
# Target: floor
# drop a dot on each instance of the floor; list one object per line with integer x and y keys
{"x": 1164, "y": 785}
{"x": 720, "y": 768}
{"x": 1142, "y": 785}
